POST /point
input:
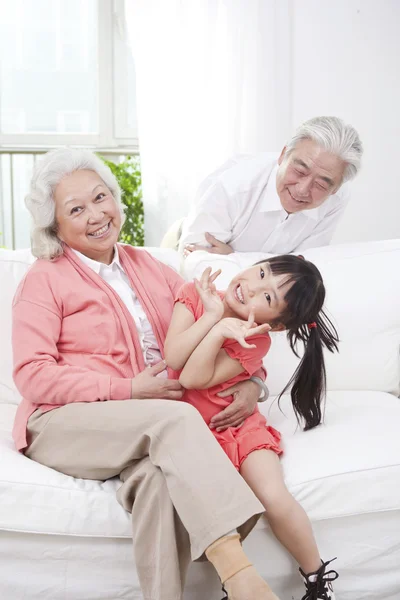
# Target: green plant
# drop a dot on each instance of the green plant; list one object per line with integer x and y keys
{"x": 129, "y": 177}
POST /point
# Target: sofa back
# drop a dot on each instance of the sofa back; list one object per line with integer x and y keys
{"x": 363, "y": 297}
{"x": 13, "y": 266}
{"x": 363, "y": 300}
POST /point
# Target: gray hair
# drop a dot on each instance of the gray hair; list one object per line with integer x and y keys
{"x": 334, "y": 136}
{"x": 47, "y": 174}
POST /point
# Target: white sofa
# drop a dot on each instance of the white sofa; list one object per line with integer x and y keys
{"x": 68, "y": 539}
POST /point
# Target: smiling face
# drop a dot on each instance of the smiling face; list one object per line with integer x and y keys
{"x": 258, "y": 289}
{"x": 307, "y": 176}
{"x": 87, "y": 216}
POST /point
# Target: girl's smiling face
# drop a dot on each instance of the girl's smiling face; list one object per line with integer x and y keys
{"x": 257, "y": 289}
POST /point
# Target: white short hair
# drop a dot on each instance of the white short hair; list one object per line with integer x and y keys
{"x": 334, "y": 136}
{"x": 47, "y": 174}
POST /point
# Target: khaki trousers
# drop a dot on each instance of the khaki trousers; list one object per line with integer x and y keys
{"x": 182, "y": 490}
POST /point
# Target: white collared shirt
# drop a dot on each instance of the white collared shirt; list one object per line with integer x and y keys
{"x": 115, "y": 276}
{"x": 239, "y": 205}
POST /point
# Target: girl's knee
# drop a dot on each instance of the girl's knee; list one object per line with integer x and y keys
{"x": 277, "y": 500}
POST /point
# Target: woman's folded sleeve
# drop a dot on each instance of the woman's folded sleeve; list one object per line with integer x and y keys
{"x": 38, "y": 376}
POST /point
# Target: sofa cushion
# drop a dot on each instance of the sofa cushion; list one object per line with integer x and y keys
{"x": 357, "y": 471}
{"x": 13, "y": 266}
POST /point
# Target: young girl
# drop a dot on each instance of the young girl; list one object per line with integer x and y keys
{"x": 218, "y": 339}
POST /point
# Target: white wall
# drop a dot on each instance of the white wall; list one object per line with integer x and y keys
{"x": 346, "y": 62}
{"x": 304, "y": 58}
{"x": 288, "y": 60}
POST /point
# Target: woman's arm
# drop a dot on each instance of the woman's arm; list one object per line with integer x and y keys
{"x": 38, "y": 376}
{"x": 42, "y": 380}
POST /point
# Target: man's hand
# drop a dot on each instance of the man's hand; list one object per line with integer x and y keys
{"x": 147, "y": 385}
{"x": 245, "y": 396}
{"x": 216, "y": 247}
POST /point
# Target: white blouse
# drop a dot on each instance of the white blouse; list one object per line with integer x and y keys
{"x": 115, "y": 276}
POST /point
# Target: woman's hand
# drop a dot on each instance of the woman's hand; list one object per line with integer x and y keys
{"x": 147, "y": 385}
{"x": 245, "y": 397}
{"x": 237, "y": 329}
{"x": 207, "y": 291}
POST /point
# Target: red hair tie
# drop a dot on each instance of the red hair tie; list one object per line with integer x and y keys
{"x": 312, "y": 325}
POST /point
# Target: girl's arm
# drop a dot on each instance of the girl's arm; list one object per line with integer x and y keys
{"x": 184, "y": 333}
{"x": 209, "y": 364}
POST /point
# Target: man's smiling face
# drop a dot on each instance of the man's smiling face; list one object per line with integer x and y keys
{"x": 307, "y": 176}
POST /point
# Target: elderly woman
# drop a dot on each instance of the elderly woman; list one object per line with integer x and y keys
{"x": 89, "y": 325}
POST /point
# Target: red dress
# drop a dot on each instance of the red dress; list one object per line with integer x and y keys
{"x": 254, "y": 434}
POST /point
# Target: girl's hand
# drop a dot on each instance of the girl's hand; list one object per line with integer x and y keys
{"x": 236, "y": 329}
{"x": 207, "y": 291}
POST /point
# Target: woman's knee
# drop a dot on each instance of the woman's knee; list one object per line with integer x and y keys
{"x": 141, "y": 480}
{"x": 187, "y": 413}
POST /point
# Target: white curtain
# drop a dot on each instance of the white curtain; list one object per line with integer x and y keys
{"x": 213, "y": 80}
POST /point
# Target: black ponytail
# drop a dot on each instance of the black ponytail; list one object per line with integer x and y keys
{"x": 309, "y": 380}
{"x": 306, "y": 322}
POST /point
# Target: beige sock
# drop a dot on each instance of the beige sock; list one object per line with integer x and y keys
{"x": 239, "y": 577}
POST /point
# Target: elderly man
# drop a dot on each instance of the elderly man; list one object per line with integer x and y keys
{"x": 276, "y": 204}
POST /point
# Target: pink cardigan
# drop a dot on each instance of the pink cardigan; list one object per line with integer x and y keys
{"x": 74, "y": 340}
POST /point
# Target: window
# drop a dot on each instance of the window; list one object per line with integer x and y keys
{"x": 66, "y": 74}
{"x": 67, "y": 77}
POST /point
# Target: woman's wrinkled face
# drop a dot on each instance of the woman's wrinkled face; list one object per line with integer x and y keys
{"x": 87, "y": 215}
